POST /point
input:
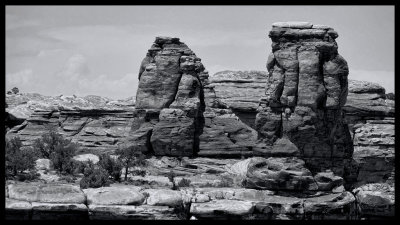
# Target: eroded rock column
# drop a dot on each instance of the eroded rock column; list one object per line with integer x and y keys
{"x": 305, "y": 91}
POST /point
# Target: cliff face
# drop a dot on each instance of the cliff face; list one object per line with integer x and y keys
{"x": 97, "y": 123}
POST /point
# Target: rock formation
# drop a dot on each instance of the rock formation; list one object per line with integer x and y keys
{"x": 301, "y": 152}
{"x": 97, "y": 123}
{"x": 306, "y": 89}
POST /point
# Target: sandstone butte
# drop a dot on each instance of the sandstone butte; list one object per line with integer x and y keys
{"x": 299, "y": 141}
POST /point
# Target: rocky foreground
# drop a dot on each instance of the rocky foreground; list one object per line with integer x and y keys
{"x": 299, "y": 142}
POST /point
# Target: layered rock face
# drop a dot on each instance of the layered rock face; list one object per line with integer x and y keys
{"x": 370, "y": 116}
{"x": 240, "y": 91}
{"x": 306, "y": 89}
{"x": 99, "y": 124}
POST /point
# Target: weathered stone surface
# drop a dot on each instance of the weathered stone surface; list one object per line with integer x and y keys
{"x": 17, "y": 210}
{"x": 375, "y": 200}
{"x": 114, "y": 196}
{"x": 341, "y": 206}
{"x": 275, "y": 174}
{"x": 240, "y": 91}
{"x": 58, "y": 211}
{"x": 293, "y": 24}
{"x": 306, "y": 88}
{"x": 162, "y": 197}
{"x": 87, "y": 157}
{"x": 151, "y": 181}
{"x": 130, "y": 212}
{"x": 224, "y": 135}
{"x": 43, "y": 164}
{"x": 48, "y": 193}
{"x": 367, "y": 99}
{"x": 176, "y": 70}
{"x": 226, "y": 208}
{"x": 95, "y": 122}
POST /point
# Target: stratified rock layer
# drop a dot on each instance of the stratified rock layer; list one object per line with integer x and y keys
{"x": 306, "y": 89}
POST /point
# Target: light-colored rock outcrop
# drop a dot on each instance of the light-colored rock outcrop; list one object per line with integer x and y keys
{"x": 375, "y": 200}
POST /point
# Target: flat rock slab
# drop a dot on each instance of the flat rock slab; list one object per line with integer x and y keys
{"x": 17, "y": 210}
{"x": 293, "y": 24}
{"x": 152, "y": 181}
{"x": 218, "y": 207}
{"x": 48, "y": 193}
{"x": 162, "y": 197}
{"x": 57, "y": 211}
{"x": 114, "y": 196}
{"x": 86, "y": 157}
{"x": 332, "y": 206}
{"x": 128, "y": 212}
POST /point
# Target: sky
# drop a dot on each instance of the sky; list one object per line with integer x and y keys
{"x": 97, "y": 50}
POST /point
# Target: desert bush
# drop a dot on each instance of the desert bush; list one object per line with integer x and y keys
{"x": 94, "y": 177}
{"x": 183, "y": 183}
{"x": 15, "y": 90}
{"x": 60, "y": 151}
{"x": 112, "y": 166}
{"x": 130, "y": 156}
{"x": 18, "y": 159}
{"x": 31, "y": 175}
{"x": 48, "y": 143}
{"x": 61, "y": 158}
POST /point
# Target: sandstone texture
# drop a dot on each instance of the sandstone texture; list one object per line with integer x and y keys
{"x": 97, "y": 123}
{"x": 306, "y": 89}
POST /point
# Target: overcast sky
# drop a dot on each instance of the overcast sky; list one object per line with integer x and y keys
{"x": 84, "y": 50}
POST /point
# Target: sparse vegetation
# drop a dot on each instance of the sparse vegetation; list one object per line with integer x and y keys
{"x": 15, "y": 90}
{"x": 130, "y": 156}
{"x": 112, "y": 166}
{"x": 184, "y": 183}
{"x": 19, "y": 159}
{"x": 94, "y": 176}
{"x": 60, "y": 151}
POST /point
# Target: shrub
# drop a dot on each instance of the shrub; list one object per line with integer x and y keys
{"x": 48, "y": 143}
{"x": 94, "y": 177}
{"x": 61, "y": 158}
{"x": 184, "y": 183}
{"x": 130, "y": 156}
{"x": 18, "y": 159}
{"x": 15, "y": 90}
{"x": 60, "y": 151}
{"x": 31, "y": 175}
{"x": 113, "y": 166}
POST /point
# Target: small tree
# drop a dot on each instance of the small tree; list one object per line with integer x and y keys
{"x": 61, "y": 158}
{"x": 113, "y": 166}
{"x": 130, "y": 156}
{"x": 15, "y": 90}
{"x": 18, "y": 159}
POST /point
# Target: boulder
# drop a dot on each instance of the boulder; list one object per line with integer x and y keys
{"x": 340, "y": 206}
{"x": 375, "y": 200}
{"x": 162, "y": 197}
{"x": 218, "y": 208}
{"x": 47, "y": 193}
{"x": 114, "y": 196}
{"x": 275, "y": 174}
